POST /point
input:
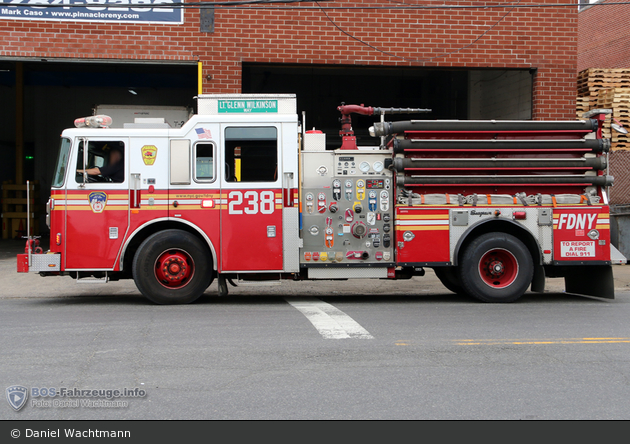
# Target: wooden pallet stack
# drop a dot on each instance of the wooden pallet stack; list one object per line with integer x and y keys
{"x": 610, "y": 88}
{"x": 592, "y": 80}
{"x": 607, "y": 88}
{"x": 617, "y": 99}
{"x": 582, "y": 106}
{"x": 14, "y": 210}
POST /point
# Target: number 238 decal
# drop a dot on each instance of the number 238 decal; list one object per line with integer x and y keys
{"x": 251, "y": 202}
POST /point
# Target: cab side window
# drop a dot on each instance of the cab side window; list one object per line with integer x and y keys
{"x": 107, "y": 156}
{"x": 204, "y": 162}
{"x": 251, "y": 154}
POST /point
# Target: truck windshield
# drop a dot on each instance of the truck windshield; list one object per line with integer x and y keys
{"x": 62, "y": 161}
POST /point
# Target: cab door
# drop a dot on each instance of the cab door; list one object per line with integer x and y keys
{"x": 97, "y": 209}
{"x": 251, "y": 220}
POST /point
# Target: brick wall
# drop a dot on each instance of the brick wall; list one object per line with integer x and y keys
{"x": 604, "y": 37}
{"x": 544, "y": 38}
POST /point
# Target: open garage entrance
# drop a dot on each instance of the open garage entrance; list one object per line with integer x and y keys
{"x": 55, "y": 93}
{"x": 450, "y": 93}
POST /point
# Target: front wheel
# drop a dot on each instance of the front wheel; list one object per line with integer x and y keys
{"x": 496, "y": 267}
{"x": 172, "y": 267}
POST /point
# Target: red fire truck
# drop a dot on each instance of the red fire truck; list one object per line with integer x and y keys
{"x": 243, "y": 191}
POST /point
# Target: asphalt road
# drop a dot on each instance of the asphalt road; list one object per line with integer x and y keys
{"x": 413, "y": 351}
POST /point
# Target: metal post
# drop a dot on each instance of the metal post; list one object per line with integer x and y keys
{"x": 28, "y": 220}
{"x": 19, "y": 123}
{"x": 608, "y": 168}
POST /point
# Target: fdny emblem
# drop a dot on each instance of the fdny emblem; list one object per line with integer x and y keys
{"x": 17, "y": 396}
{"x": 98, "y": 200}
{"x": 149, "y": 153}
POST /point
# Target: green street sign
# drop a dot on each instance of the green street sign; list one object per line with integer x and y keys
{"x": 248, "y": 106}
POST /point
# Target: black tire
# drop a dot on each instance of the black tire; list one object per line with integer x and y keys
{"x": 496, "y": 267}
{"x": 449, "y": 278}
{"x": 172, "y": 267}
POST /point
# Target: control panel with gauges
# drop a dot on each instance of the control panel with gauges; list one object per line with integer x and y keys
{"x": 347, "y": 209}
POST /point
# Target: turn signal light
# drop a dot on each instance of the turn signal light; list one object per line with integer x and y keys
{"x": 58, "y": 238}
{"x": 207, "y": 203}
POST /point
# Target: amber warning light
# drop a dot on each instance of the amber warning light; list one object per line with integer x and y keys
{"x": 100, "y": 121}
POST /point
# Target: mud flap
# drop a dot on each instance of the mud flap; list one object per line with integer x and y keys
{"x": 223, "y": 289}
{"x": 538, "y": 281}
{"x": 595, "y": 281}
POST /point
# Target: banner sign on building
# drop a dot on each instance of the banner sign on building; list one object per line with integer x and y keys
{"x": 120, "y": 11}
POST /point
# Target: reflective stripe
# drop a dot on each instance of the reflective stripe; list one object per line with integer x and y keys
{"x": 422, "y": 228}
{"x": 422, "y": 222}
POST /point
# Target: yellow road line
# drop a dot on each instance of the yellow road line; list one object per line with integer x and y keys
{"x": 542, "y": 341}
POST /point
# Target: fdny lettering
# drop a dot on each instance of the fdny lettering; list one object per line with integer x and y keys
{"x": 576, "y": 221}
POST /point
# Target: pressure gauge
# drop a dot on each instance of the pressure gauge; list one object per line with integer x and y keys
{"x": 364, "y": 167}
{"x": 378, "y": 166}
{"x": 336, "y": 183}
{"x": 309, "y": 196}
{"x": 348, "y": 184}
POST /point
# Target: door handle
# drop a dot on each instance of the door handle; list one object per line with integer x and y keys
{"x": 135, "y": 193}
{"x": 287, "y": 190}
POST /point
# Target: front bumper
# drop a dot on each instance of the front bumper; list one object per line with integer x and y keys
{"x": 39, "y": 263}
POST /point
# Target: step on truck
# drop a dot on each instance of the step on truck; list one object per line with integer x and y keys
{"x": 243, "y": 191}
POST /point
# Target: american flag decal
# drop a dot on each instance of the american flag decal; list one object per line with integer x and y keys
{"x": 203, "y": 133}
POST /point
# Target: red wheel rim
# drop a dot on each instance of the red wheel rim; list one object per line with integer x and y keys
{"x": 498, "y": 268}
{"x": 174, "y": 268}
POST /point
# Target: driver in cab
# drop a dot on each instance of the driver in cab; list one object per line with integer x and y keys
{"x": 114, "y": 170}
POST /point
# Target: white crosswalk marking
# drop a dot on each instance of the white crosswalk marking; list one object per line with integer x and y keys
{"x": 329, "y": 321}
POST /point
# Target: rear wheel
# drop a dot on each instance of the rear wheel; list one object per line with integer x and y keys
{"x": 449, "y": 278}
{"x": 496, "y": 267}
{"x": 172, "y": 267}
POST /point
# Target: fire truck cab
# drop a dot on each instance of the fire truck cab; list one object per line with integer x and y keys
{"x": 242, "y": 191}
